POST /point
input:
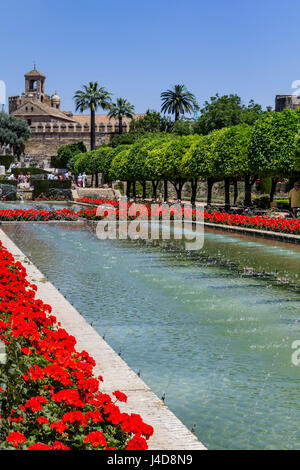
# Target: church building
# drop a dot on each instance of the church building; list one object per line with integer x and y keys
{"x": 50, "y": 126}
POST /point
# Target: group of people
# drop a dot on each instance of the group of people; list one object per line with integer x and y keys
{"x": 82, "y": 180}
{"x": 23, "y": 180}
{"x": 58, "y": 176}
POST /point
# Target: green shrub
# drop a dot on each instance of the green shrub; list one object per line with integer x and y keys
{"x": 261, "y": 202}
{"x": 65, "y": 153}
{"x": 265, "y": 185}
{"x": 44, "y": 187}
{"x": 282, "y": 202}
{"x": 127, "y": 138}
{"x": 6, "y": 160}
{"x": 4, "y": 180}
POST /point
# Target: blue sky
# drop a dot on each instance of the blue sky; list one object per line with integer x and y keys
{"x": 136, "y": 49}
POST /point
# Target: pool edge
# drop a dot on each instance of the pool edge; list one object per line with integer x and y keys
{"x": 169, "y": 432}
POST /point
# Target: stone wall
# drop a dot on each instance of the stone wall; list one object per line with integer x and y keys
{"x": 45, "y": 144}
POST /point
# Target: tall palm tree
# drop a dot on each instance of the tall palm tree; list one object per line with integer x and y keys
{"x": 122, "y": 108}
{"x": 92, "y": 97}
{"x": 178, "y": 101}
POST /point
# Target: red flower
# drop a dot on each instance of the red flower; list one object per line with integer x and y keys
{"x": 120, "y": 396}
{"x": 16, "y": 438}
{"x": 137, "y": 443}
{"x": 59, "y": 426}
{"x": 39, "y": 446}
{"x": 96, "y": 438}
{"x": 43, "y": 419}
{"x": 57, "y": 445}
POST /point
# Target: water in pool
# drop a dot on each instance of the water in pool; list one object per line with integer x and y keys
{"x": 211, "y": 330}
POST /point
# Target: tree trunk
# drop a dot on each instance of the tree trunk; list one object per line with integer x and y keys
{"x": 92, "y": 129}
{"x": 96, "y": 180}
{"x": 128, "y": 185}
{"x": 178, "y": 188}
{"x": 144, "y": 189}
{"x": 227, "y": 194}
{"x": 194, "y": 183}
{"x": 154, "y": 189}
{"x": 165, "y": 190}
{"x": 133, "y": 190}
{"x": 236, "y": 191}
{"x": 210, "y": 183}
{"x": 273, "y": 189}
{"x": 120, "y": 126}
{"x": 248, "y": 189}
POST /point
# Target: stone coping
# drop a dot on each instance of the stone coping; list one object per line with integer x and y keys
{"x": 169, "y": 432}
{"x": 8, "y": 222}
{"x": 256, "y": 233}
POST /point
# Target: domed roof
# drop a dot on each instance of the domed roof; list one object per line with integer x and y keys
{"x": 55, "y": 98}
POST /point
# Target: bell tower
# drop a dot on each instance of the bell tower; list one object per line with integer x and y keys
{"x": 35, "y": 84}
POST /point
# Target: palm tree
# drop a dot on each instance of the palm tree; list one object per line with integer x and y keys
{"x": 178, "y": 101}
{"x": 122, "y": 108}
{"x": 92, "y": 97}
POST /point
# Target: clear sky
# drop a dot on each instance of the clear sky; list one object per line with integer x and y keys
{"x": 138, "y": 48}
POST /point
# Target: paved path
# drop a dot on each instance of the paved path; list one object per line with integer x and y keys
{"x": 169, "y": 432}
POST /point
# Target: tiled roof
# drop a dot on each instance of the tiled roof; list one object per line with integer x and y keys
{"x": 34, "y": 73}
{"x": 44, "y": 108}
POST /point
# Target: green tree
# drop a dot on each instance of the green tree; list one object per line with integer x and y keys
{"x": 122, "y": 108}
{"x": 183, "y": 126}
{"x": 121, "y": 167}
{"x": 233, "y": 160}
{"x": 103, "y": 158}
{"x": 150, "y": 122}
{"x": 167, "y": 159}
{"x": 92, "y": 97}
{"x": 139, "y": 153}
{"x": 178, "y": 101}
{"x": 273, "y": 145}
{"x": 226, "y": 111}
{"x": 199, "y": 161}
{"x": 66, "y": 152}
{"x": 124, "y": 139}
{"x": 13, "y": 132}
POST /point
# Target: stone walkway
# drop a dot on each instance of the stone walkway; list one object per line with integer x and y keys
{"x": 169, "y": 432}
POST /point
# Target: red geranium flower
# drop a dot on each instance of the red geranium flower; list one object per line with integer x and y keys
{"x": 16, "y": 438}
{"x": 96, "y": 438}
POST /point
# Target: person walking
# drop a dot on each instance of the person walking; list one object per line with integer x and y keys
{"x": 79, "y": 180}
{"x": 84, "y": 179}
{"x": 294, "y": 197}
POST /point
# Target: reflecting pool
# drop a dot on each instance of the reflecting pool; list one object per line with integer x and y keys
{"x": 211, "y": 330}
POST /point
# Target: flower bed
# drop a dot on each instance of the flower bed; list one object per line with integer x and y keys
{"x": 32, "y": 215}
{"x": 96, "y": 202}
{"x": 50, "y": 399}
{"x": 274, "y": 224}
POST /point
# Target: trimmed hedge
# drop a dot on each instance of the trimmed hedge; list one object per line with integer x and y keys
{"x": 44, "y": 186}
{"x": 6, "y": 160}
{"x": 4, "y": 180}
{"x": 31, "y": 170}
